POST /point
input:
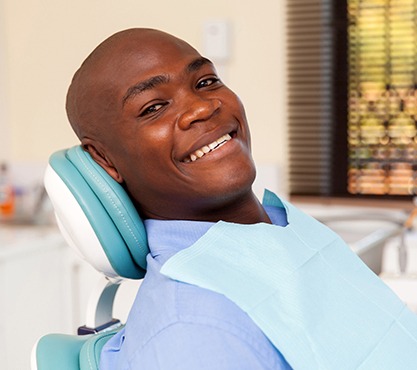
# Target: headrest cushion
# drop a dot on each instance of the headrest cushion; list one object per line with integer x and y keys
{"x": 108, "y": 208}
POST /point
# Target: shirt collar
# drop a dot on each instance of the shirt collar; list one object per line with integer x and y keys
{"x": 167, "y": 237}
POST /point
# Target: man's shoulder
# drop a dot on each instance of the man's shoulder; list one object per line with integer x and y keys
{"x": 198, "y": 328}
{"x": 164, "y": 302}
{"x": 168, "y": 312}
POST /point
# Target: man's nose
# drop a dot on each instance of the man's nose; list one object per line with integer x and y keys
{"x": 198, "y": 110}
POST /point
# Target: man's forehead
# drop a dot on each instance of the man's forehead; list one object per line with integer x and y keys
{"x": 138, "y": 51}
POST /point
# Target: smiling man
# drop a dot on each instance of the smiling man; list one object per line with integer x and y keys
{"x": 230, "y": 283}
{"x": 154, "y": 114}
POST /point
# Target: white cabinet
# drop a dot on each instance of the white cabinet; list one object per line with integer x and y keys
{"x": 32, "y": 290}
{"x": 44, "y": 288}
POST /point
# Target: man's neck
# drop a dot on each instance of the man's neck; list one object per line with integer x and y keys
{"x": 244, "y": 210}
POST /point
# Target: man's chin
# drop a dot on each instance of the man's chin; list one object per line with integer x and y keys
{"x": 228, "y": 186}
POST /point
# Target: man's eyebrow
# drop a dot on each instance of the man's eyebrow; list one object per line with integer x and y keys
{"x": 145, "y": 85}
{"x": 197, "y": 64}
{"x": 150, "y": 83}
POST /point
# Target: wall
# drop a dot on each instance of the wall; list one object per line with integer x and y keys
{"x": 4, "y": 127}
{"x": 46, "y": 40}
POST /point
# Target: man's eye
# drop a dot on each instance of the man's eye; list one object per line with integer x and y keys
{"x": 151, "y": 109}
{"x": 207, "y": 82}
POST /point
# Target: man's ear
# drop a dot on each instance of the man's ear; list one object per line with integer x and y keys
{"x": 102, "y": 159}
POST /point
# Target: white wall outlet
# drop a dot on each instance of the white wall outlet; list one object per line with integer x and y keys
{"x": 216, "y": 40}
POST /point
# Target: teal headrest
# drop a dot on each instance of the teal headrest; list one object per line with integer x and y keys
{"x": 108, "y": 208}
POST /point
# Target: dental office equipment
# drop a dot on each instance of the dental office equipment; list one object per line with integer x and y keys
{"x": 99, "y": 221}
{"x": 402, "y": 248}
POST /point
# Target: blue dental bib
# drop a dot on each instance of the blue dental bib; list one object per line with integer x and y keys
{"x": 314, "y": 299}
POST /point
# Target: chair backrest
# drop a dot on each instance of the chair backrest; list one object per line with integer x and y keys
{"x": 96, "y": 215}
{"x": 98, "y": 219}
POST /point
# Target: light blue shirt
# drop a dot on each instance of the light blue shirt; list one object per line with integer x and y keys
{"x": 176, "y": 326}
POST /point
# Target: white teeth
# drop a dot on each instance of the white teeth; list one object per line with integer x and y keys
{"x": 224, "y": 138}
{"x": 208, "y": 148}
{"x": 212, "y": 145}
{"x": 199, "y": 153}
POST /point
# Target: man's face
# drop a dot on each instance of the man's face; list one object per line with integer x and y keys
{"x": 181, "y": 141}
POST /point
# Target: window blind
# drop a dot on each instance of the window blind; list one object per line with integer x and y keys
{"x": 352, "y": 95}
{"x": 310, "y": 79}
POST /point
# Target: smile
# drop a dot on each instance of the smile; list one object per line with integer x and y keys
{"x": 199, "y": 153}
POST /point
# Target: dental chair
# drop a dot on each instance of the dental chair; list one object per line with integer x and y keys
{"x": 98, "y": 219}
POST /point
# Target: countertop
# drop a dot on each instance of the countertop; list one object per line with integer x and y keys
{"x": 17, "y": 239}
